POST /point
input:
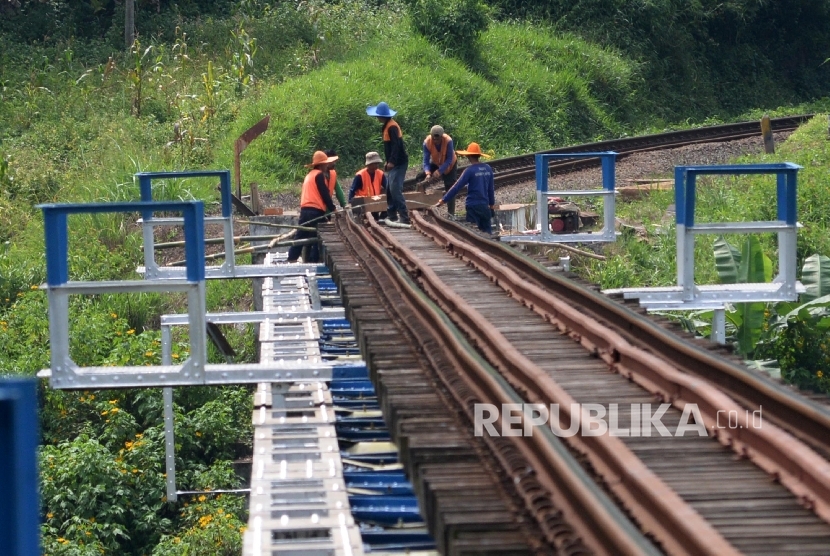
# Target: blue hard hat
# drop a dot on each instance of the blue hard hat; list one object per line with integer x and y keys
{"x": 382, "y": 109}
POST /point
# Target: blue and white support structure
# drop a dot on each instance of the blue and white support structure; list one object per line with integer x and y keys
{"x": 228, "y": 268}
{"x": 543, "y": 194}
{"x": 687, "y": 295}
{"x": 19, "y": 510}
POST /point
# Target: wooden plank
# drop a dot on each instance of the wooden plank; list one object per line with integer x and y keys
{"x": 414, "y": 200}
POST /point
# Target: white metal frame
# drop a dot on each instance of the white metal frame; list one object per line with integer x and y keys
{"x": 608, "y": 193}
{"x": 688, "y": 295}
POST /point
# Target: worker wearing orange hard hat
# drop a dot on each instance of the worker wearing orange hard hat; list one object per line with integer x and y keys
{"x": 315, "y": 203}
{"x": 478, "y": 177}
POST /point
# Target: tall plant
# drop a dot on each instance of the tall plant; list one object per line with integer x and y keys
{"x": 750, "y": 265}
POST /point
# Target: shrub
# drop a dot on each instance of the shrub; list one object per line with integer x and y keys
{"x": 453, "y": 24}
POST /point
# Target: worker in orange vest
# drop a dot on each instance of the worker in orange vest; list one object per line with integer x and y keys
{"x": 397, "y": 161}
{"x": 315, "y": 203}
{"x": 440, "y": 160}
{"x": 370, "y": 181}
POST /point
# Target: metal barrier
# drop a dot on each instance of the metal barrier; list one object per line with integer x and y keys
{"x": 690, "y": 296}
{"x": 19, "y": 512}
{"x": 608, "y": 194}
{"x": 64, "y": 372}
{"x": 229, "y": 268}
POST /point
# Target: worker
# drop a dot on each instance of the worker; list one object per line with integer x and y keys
{"x": 370, "y": 181}
{"x": 331, "y": 179}
{"x": 440, "y": 160}
{"x": 481, "y": 194}
{"x": 315, "y": 203}
{"x": 397, "y": 161}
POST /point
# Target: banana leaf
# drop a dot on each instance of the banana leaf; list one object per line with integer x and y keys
{"x": 727, "y": 261}
{"x": 815, "y": 275}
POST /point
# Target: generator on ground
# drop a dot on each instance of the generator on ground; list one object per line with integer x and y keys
{"x": 563, "y": 216}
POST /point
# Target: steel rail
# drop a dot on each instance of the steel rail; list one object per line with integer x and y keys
{"x": 798, "y": 415}
{"x": 598, "y": 521}
{"x": 790, "y": 461}
{"x": 516, "y": 169}
{"x": 661, "y": 512}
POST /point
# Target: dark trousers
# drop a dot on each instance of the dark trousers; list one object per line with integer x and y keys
{"x": 307, "y": 214}
{"x": 481, "y": 216}
{"x": 449, "y": 180}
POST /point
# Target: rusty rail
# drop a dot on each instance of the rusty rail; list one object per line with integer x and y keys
{"x": 658, "y": 509}
{"x": 600, "y": 524}
{"x": 787, "y": 459}
{"x": 521, "y": 168}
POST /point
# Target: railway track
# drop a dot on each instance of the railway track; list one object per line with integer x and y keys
{"x": 440, "y": 309}
{"x": 520, "y": 169}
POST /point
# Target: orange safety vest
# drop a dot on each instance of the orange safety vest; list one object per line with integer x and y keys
{"x": 439, "y": 157}
{"x": 370, "y": 187}
{"x": 391, "y": 123}
{"x": 310, "y": 197}
{"x": 332, "y": 183}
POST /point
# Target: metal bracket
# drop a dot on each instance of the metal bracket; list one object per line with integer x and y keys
{"x": 608, "y": 194}
{"x": 690, "y": 296}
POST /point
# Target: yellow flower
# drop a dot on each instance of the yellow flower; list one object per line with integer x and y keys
{"x": 176, "y": 540}
{"x": 113, "y": 402}
{"x": 113, "y": 315}
{"x": 129, "y": 445}
{"x": 62, "y": 540}
{"x": 202, "y": 498}
{"x": 135, "y": 470}
{"x": 34, "y": 287}
{"x": 175, "y": 356}
{"x": 130, "y": 331}
{"x": 92, "y": 396}
{"x": 88, "y": 533}
{"x": 114, "y": 410}
{"x": 118, "y": 333}
{"x": 198, "y": 433}
{"x": 819, "y": 374}
{"x": 105, "y": 412}
{"x": 20, "y": 294}
{"x": 50, "y": 515}
{"x": 242, "y": 529}
{"x": 149, "y": 354}
{"x": 92, "y": 519}
{"x": 139, "y": 435}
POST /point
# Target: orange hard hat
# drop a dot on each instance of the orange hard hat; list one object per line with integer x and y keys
{"x": 321, "y": 158}
{"x": 473, "y": 149}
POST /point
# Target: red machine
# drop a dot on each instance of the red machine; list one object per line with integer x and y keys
{"x": 563, "y": 216}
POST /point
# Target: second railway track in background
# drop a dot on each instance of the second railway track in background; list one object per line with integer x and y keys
{"x": 488, "y": 325}
{"x": 519, "y": 169}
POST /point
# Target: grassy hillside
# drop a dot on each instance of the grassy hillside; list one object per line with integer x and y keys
{"x": 78, "y": 118}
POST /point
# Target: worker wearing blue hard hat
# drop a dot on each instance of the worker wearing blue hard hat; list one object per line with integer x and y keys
{"x": 397, "y": 161}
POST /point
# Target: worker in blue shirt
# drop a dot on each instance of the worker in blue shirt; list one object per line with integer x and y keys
{"x": 481, "y": 194}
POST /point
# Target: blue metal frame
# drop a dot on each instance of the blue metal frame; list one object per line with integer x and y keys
{"x": 57, "y": 245}
{"x": 685, "y": 178}
{"x": 608, "y": 159}
{"x": 145, "y": 181}
{"x": 19, "y": 512}
{"x": 543, "y": 193}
